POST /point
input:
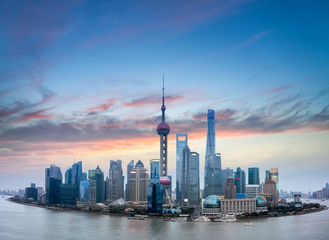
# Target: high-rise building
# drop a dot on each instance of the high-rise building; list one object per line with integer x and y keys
{"x": 68, "y": 175}
{"x": 253, "y": 176}
{"x": 226, "y": 173}
{"x": 31, "y": 193}
{"x": 130, "y": 167}
{"x": 53, "y": 179}
{"x": 138, "y": 183}
{"x": 213, "y": 179}
{"x": 213, "y": 184}
{"x": 155, "y": 189}
{"x": 190, "y": 185}
{"x": 98, "y": 176}
{"x": 230, "y": 189}
{"x": 116, "y": 181}
{"x": 252, "y": 190}
{"x": 85, "y": 191}
{"x": 210, "y": 132}
{"x": 67, "y": 194}
{"x": 240, "y": 180}
{"x": 270, "y": 188}
{"x": 193, "y": 179}
{"x": 181, "y": 142}
{"x": 76, "y": 176}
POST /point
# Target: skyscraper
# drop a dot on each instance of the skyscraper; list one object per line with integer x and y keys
{"x": 226, "y": 173}
{"x": 130, "y": 167}
{"x": 53, "y": 179}
{"x": 230, "y": 189}
{"x": 240, "y": 180}
{"x": 155, "y": 189}
{"x": 181, "y": 142}
{"x": 163, "y": 130}
{"x": 253, "y": 176}
{"x": 193, "y": 179}
{"x": 138, "y": 183}
{"x": 76, "y": 176}
{"x": 98, "y": 176}
{"x": 68, "y": 175}
{"x": 116, "y": 181}
{"x": 210, "y": 132}
{"x": 213, "y": 180}
{"x": 212, "y": 175}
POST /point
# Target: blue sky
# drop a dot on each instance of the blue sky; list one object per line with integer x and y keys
{"x": 83, "y": 79}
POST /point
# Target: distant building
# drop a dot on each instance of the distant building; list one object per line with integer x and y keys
{"x": 53, "y": 179}
{"x": 85, "y": 191}
{"x": 67, "y": 194}
{"x": 76, "y": 176}
{"x": 213, "y": 184}
{"x": 270, "y": 188}
{"x": 68, "y": 175}
{"x": 130, "y": 167}
{"x": 253, "y": 176}
{"x": 181, "y": 142}
{"x": 240, "y": 180}
{"x": 252, "y": 190}
{"x": 138, "y": 183}
{"x": 98, "y": 176}
{"x": 226, "y": 173}
{"x": 230, "y": 189}
{"x": 155, "y": 189}
{"x": 31, "y": 192}
{"x": 116, "y": 188}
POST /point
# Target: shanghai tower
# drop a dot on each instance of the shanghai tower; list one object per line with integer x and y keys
{"x": 212, "y": 172}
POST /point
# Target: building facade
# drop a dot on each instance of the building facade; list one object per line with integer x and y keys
{"x": 53, "y": 179}
{"x": 230, "y": 189}
{"x": 116, "y": 181}
{"x": 252, "y": 190}
{"x": 181, "y": 142}
{"x": 98, "y": 176}
{"x": 253, "y": 176}
{"x": 237, "y": 206}
{"x": 240, "y": 180}
{"x": 130, "y": 167}
{"x": 138, "y": 183}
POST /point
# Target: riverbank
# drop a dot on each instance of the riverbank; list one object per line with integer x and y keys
{"x": 163, "y": 216}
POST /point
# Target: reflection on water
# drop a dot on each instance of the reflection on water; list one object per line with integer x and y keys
{"x": 26, "y": 222}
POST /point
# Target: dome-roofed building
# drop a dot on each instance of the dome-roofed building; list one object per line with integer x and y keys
{"x": 211, "y": 206}
{"x": 212, "y": 201}
{"x": 261, "y": 203}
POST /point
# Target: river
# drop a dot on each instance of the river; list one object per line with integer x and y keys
{"x": 27, "y": 222}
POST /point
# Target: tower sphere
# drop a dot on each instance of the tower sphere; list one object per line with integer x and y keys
{"x": 163, "y": 129}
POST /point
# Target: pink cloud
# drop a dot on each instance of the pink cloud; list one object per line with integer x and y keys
{"x": 153, "y": 99}
{"x": 103, "y": 107}
{"x": 36, "y": 115}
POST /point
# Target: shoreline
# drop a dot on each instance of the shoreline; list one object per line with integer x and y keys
{"x": 272, "y": 214}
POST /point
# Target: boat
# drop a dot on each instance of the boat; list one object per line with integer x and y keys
{"x": 229, "y": 218}
{"x": 202, "y": 219}
{"x": 248, "y": 224}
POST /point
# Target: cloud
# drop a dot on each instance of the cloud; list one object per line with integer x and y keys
{"x": 36, "y": 115}
{"x": 151, "y": 99}
{"x": 103, "y": 107}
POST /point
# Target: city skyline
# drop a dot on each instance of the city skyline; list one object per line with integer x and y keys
{"x": 82, "y": 81}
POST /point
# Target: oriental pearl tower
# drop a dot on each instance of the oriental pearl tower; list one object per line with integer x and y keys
{"x": 163, "y": 130}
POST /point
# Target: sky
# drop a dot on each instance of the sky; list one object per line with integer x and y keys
{"x": 82, "y": 81}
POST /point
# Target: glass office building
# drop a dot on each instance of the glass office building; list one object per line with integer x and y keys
{"x": 253, "y": 176}
{"x": 116, "y": 182}
{"x": 240, "y": 180}
{"x": 181, "y": 142}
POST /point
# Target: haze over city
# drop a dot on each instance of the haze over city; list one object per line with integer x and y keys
{"x": 82, "y": 81}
